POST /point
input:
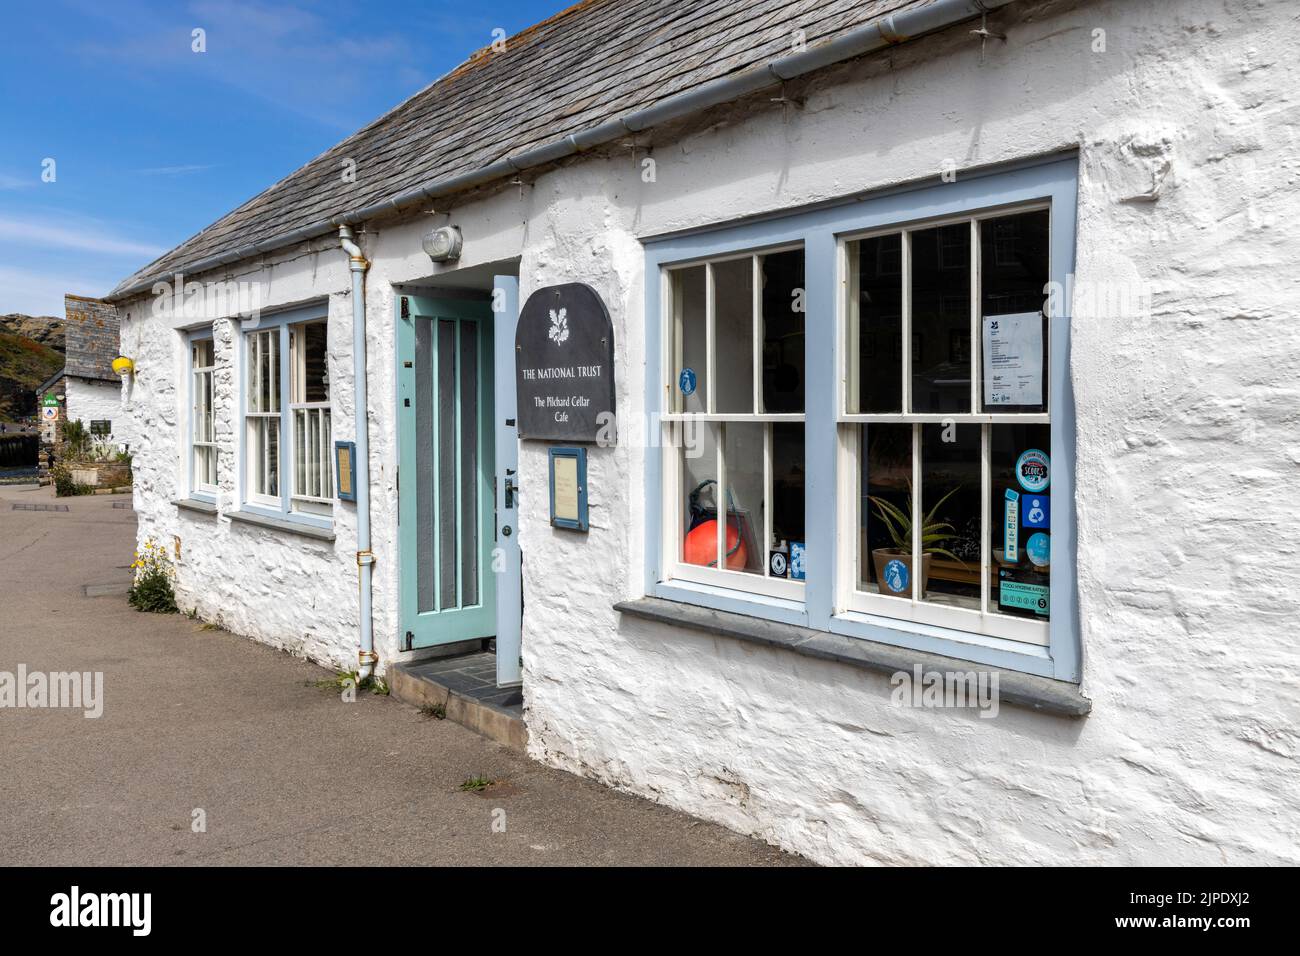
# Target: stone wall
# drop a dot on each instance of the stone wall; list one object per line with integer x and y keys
{"x": 93, "y": 337}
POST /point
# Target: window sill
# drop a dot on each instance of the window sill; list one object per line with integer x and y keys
{"x": 319, "y": 532}
{"x": 1022, "y": 690}
{"x": 196, "y": 504}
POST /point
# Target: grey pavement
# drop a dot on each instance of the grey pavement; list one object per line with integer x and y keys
{"x": 286, "y": 773}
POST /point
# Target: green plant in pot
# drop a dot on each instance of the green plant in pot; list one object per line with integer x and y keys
{"x": 894, "y": 564}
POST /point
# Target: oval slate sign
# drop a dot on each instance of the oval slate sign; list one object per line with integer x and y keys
{"x": 564, "y": 364}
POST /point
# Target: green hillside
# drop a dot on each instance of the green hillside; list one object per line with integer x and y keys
{"x": 24, "y": 364}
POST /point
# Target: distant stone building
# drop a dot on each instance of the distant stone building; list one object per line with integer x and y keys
{"x": 87, "y": 388}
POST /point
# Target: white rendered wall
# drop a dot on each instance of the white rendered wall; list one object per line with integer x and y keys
{"x": 90, "y": 400}
{"x": 1188, "y": 446}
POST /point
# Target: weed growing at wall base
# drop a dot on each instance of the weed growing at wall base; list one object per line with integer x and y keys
{"x": 152, "y": 590}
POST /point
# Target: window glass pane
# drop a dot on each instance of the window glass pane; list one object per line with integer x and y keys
{"x": 203, "y": 353}
{"x": 787, "y": 500}
{"x": 315, "y": 367}
{"x": 447, "y": 506}
{"x": 950, "y": 510}
{"x": 743, "y": 457}
{"x": 326, "y": 457}
{"x": 733, "y": 311}
{"x": 783, "y": 328}
{"x": 469, "y": 467}
{"x": 941, "y": 319}
{"x": 689, "y": 295}
{"x": 698, "y": 443}
{"x": 425, "y": 528}
{"x": 1020, "y": 473}
{"x": 884, "y": 508}
{"x": 265, "y": 434}
{"x": 300, "y": 438}
{"x": 877, "y": 309}
{"x": 1013, "y": 277}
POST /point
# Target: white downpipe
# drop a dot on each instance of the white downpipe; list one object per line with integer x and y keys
{"x": 366, "y": 656}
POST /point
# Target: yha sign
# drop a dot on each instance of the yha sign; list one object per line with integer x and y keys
{"x": 564, "y": 364}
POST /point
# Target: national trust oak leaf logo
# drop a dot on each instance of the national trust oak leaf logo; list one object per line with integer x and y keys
{"x": 559, "y": 326}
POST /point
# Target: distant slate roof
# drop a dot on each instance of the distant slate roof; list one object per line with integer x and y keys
{"x": 593, "y": 64}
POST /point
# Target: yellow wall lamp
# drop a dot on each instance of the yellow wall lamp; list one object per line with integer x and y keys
{"x": 123, "y": 366}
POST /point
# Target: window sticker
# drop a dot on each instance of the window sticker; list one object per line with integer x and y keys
{"x": 1038, "y": 511}
{"x": 686, "y": 381}
{"x": 896, "y": 577}
{"x": 1013, "y": 359}
{"x": 1021, "y": 596}
{"x": 1034, "y": 471}
{"x": 796, "y": 561}
{"x": 1011, "y": 528}
{"x": 1039, "y": 549}
{"x": 778, "y": 564}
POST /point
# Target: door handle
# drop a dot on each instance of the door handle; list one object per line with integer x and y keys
{"x": 511, "y": 489}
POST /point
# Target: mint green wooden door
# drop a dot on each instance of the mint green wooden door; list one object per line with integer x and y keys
{"x": 447, "y": 527}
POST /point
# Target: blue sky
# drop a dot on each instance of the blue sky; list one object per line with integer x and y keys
{"x": 152, "y": 141}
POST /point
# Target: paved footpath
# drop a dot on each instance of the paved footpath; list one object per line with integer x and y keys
{"x": 284, "y": 772}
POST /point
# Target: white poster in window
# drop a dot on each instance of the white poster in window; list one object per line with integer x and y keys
{"x": 1013, "y": 359}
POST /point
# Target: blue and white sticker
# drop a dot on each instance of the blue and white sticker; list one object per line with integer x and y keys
{"x": 896, "y": 576}
{"x": 1011, "y": 528}
{"x": 1038, "y": 511}
{"x": 686, "y": 381}
{"x": 1034, "y": 471}
{"x": 796, "y": 561}
{"x": 1039, "y": 549}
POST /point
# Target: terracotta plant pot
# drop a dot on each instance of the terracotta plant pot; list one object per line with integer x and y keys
{"x": 882, "y": 557}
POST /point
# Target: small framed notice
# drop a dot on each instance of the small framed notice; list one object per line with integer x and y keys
{"x": 1013, "y": 360}
{"x": 569, "y": 488}
{"x": 345, "y": 470}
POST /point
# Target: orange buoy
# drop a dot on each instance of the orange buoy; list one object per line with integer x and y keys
{"x": 701, "y": 545}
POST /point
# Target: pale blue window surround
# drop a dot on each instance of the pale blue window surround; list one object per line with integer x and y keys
{"x": 274, "y": 329}
{"x": 820, "y": 232}
{"x": 197, "y": 484}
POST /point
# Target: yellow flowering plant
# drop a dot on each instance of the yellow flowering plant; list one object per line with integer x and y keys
{"x": 152, "y": 588}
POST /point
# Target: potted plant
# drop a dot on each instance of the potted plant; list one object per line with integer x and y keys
{"x": 894, "y": 564}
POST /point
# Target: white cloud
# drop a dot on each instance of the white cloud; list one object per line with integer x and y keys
{"x": 16, "y": 182}
{"x": 41, "y": 293}
{"x": 83, "y": 238}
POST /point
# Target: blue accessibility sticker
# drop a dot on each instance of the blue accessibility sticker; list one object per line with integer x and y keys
{"x": 1037, "y": 511}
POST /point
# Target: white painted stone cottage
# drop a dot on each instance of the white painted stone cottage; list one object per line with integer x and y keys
{"x": 984, "y": 325}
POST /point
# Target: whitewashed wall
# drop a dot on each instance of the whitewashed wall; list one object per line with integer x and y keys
{"x": 1186, "y": 125}
{"x": 89, "y": 400}
{"x": 1187, "y": 130}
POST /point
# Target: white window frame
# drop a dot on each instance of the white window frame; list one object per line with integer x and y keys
{"x": 675, "y": 423}
{"x": 198, "y": 488}
{"x": 982, "y": 621}
{"x": 318, "y": 461}
{"x": 316, "y": 510}
{"x": 830, "y": 480}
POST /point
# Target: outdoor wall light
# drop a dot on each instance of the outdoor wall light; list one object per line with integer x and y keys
{"x": 123, "y": 366}
{"x": 443, "y": 244}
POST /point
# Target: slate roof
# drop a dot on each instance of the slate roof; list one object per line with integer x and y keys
{"x": 592, "y": 63}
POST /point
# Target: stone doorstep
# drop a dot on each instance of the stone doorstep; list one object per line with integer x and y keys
{"x": 419, "y": 689}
